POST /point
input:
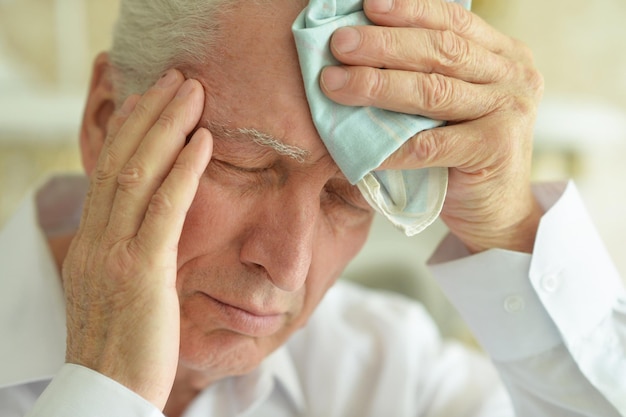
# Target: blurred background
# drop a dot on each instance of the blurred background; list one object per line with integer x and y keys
{"x": 46, "y": 49}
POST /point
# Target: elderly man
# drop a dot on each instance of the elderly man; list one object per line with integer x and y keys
{"x": 201, "y": 278}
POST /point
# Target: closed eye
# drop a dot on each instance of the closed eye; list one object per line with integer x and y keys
{"x": 346, "y": 194}
{"x": 251, "y": 170}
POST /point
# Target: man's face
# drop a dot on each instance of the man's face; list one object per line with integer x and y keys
{"x": 268, "y": 233}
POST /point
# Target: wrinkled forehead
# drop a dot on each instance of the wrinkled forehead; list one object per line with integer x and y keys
{"x": 253, "y": 78}
{"x": 255, "y": 38}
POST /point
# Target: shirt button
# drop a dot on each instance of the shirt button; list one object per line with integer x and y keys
{"x": 550, "y": 283}
{"x": 514, "y": 304}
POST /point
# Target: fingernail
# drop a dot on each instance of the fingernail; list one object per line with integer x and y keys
{"x": 167, "y": 79}
{"x": 185, "y": 89}
{"x": 346, "y": 39}
{"x": 378, "y": 6}
{"x": 334, "y": 78}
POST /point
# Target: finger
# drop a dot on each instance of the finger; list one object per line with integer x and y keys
{"x": 419, "y": 50}
{"x": 431, "y": 148}
{"x": 167, "y": 210}
{"x": 120, "y": 116}
{"x": 469, "y": 147}
{"x": 441, "y": 15}
{"x": 147, "y": 168}
{"x": 430, "y": 95}
{"x": 115, "y": 123}
{"x": 118, "y": 148}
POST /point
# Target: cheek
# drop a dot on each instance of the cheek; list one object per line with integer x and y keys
{"x": 338, "y": 246}
{"x": 334, "y": 250}
{"x": 211, "y": 223}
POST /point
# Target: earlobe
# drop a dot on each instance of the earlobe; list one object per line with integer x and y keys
{"x": 98, "y": 110}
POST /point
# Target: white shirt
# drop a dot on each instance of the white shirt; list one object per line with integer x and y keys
{"x": 554, "y": 325}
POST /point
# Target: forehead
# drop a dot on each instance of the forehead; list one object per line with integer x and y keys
{"x": 253, "y": 78}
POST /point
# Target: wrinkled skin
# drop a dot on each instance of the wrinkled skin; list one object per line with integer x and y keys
{"x": 205, "y": 258}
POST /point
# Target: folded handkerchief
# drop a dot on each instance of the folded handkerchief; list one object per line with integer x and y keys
{"x": 359, "y": 139}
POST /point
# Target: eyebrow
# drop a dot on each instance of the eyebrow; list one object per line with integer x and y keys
{"x": 261, "y": 139}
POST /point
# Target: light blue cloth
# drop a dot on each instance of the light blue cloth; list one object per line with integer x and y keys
{"x": 360, "y": 138}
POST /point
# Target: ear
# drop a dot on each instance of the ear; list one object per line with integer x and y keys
{"x": 98, "y": 110}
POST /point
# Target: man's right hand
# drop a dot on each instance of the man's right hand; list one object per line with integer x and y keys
{"x": 120, "y": 273}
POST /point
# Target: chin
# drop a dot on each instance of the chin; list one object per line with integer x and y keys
{"x": 222, "y": 353}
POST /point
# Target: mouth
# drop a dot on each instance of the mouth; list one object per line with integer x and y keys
{"x": 247, "y": 321}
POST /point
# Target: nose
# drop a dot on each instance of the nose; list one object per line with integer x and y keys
{"x": 281, "y": 237}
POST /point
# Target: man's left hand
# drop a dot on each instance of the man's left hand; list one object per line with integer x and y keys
{"x": 436, "y": 59}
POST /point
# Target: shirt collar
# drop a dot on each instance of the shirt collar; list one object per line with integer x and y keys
{"x": 283, "y": 369}
{"x": 273, "y": 385}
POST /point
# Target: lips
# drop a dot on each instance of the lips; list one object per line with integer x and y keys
{"x": 250, "y": 310}
{"x": 249, "y": 321}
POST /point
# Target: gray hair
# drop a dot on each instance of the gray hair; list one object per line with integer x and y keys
{"x": 151, "y": 36}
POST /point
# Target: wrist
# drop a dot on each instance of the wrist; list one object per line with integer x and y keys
{"x": 518, "y": 236}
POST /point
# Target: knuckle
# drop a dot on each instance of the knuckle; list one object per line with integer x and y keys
{"x": 525, "y": 106}
{"x": 161, "y": 204}
{"x": 436, "y": 90}
{"x": 388, "y": 42}
{"x": 460, "y": 19}
{"x": 375, "y": 86}
{"x": 530, "y": 88}
{"x": 122, "y": 265}
{"x": 105, "y": 170}
{"x": 418, "y": 11}
{"x": 131, "y": 176}
{"x": 167, "y": 121}
{"x": 423, "y": 146}
{"x": 536, "y": 83}
{"x": 142, "y": 110}
{"x": 452, "y": 49}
